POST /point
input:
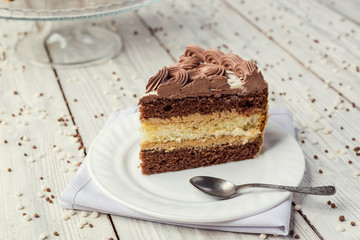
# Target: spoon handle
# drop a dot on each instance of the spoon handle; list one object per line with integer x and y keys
{"x": 322, "y": 190}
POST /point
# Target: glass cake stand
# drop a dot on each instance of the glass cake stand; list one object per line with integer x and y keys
{"x": 67, "y": 43}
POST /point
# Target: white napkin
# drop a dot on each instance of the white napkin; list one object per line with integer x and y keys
{"x": 82, "y": 193}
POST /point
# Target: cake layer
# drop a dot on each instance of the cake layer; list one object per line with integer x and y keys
{"x": 192, "y": 128}
{"x": 168, "y": 107}
{"x": 184, "y": 158}
{"x": 203, "y": 118}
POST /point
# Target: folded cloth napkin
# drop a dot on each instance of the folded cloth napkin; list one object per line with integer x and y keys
{"x": 82, "y": 194}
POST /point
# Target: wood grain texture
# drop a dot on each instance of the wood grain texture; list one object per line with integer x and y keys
{"x": 31, "y": 104}
{"x": 348, "y": 9}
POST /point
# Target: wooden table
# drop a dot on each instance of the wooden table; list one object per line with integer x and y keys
{"x": 310, "y": 56}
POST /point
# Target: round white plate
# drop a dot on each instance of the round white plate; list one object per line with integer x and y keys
{"x": 114, "y": 165}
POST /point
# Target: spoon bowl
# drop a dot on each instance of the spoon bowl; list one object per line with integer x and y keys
{"x": 224, "y": 189}
{"x": 216, "y": 187}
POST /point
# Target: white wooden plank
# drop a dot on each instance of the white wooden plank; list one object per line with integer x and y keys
{"x": 42, "y": 104}
{"x": 347, "y": 8}
{"x": 297, "y": 93}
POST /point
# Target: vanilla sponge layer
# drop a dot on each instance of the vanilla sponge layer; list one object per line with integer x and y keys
{"x": 202, "y": 127}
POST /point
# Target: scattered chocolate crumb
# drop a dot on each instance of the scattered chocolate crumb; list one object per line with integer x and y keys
{"x": 75, "y": 100}
{"x": 48, "y": 189}
{"x": 349, "y": 162}
{"x": 91, "y": 226}
{"x": 52, "y": 196}
{"x": 352, "y": 223}
{"x": 353, "y": 139}
{"x": 297, "y": 236}
{"x": 50, "y": 201}
{"x": 357, "y": 149}
{"x": 19, "y": 144}
{"x": 316, "y": 157}
{"x": 291, "y": 232}
{"x": 347, "y": 147}
{"x": 23, "y": 213}
{"x": 9, "y": 170}
{"x": 95, "y": 116}
{"x": 16, "y": 93}
{"x": 342, "y": 128}
{"x": 13, "y": 115}
{"x": 41, "y": 178}
{"x": 328, "y": 202}
{"x": 47, "y": 199}
{"x": 320, "y": 171}
{"x": 341, "y": 218}
{"x": 135, "y": 32}
{"x": 134, "y": 95}
{"x": 102, "y": 114}
{"x": 56, "y": 233}
{"x": 25, "y": 154}
{"x": 326, "y": 151}
{"x": 333, "y": 205}
{"x": 5, "y": 141}
{"x": 36, "y": 215}
{"x": 34, "y": 147}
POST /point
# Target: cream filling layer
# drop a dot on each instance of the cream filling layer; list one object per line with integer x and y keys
{"x": 247, "y": 126}
{"x": 199, "y": 143}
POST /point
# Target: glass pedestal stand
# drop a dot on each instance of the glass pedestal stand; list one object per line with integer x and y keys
{"x": 68, "y": 43}
{"x": 65, "y": 36}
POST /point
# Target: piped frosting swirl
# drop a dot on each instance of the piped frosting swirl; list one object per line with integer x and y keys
{"x": 230, "y": 60}
{"x": 193, "y": 50}
{"x": 160, "y": 77}
{"x": 213, "y": 56}
{"x": 244, "y": 69}
{"x": 198, "y": 67}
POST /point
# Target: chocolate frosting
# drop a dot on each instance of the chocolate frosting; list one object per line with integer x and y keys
{"x": 213, "y": 55}
{"x": 155, "y": 81}
{"x": 230, "y": 60}
{"x": 245, "y": 68}
{"x": 193, "y": 50}
{"x": 204, "y": 72}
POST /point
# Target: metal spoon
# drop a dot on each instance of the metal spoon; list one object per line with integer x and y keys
{"x": 224, "y": 189}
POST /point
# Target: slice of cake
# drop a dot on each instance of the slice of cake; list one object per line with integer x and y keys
{"x": 208, "y": 108}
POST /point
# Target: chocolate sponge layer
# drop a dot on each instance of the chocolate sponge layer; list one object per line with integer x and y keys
{"x": 165, "y": 107}
{"x": 184, "y": 158}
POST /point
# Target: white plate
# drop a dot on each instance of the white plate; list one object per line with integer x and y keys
{"x": 114, "y": 165}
